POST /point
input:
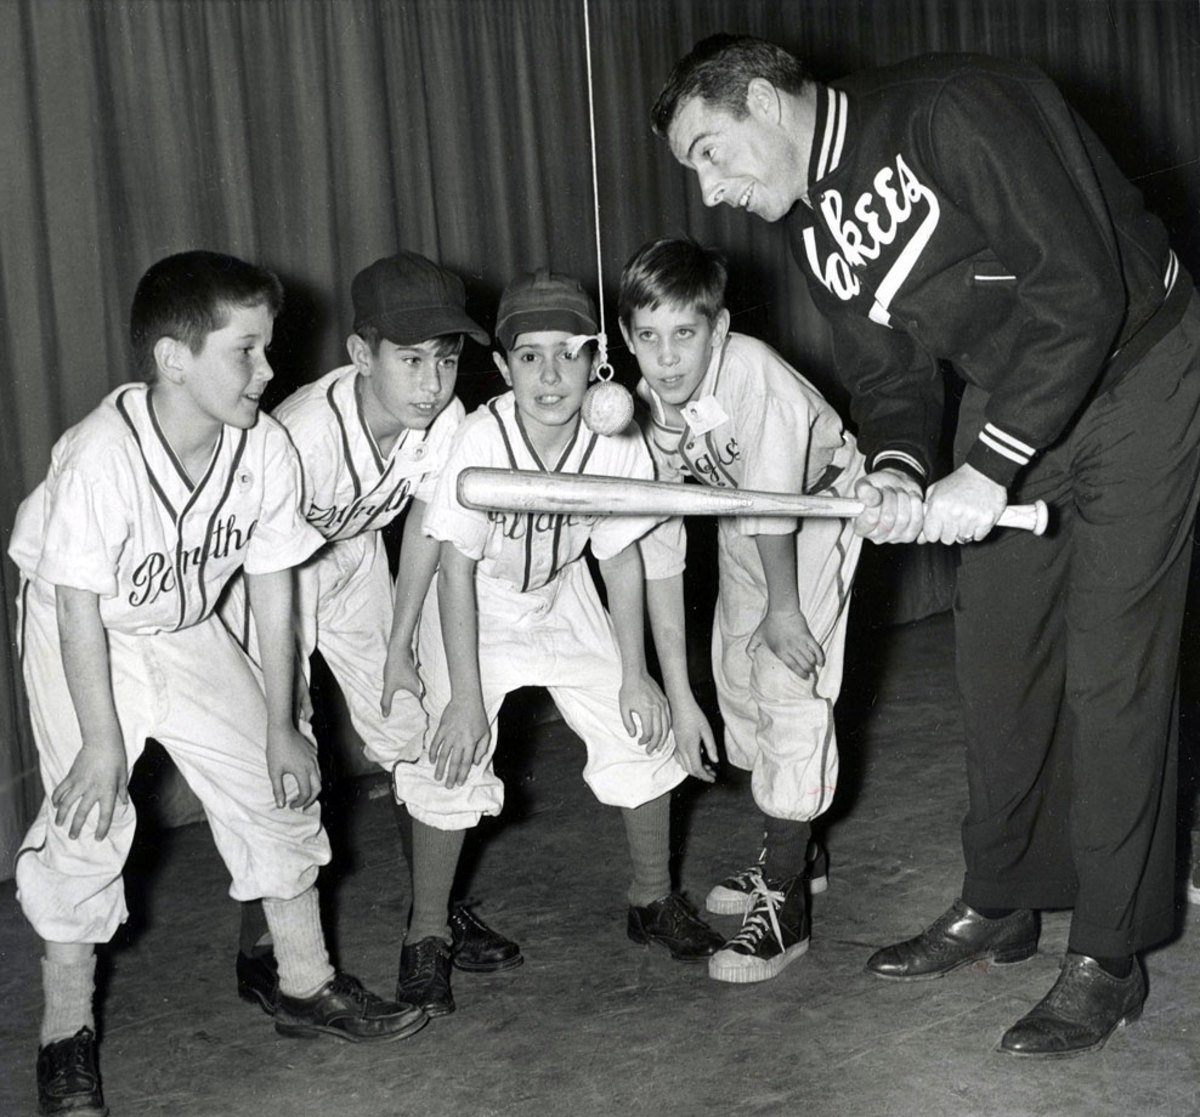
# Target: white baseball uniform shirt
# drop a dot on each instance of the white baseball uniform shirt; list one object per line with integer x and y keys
{"x": 540, "y": 618}
{"x": 756, "y": 423}
{"x": 345, "y": 592}
{"x": 118, "y": 516}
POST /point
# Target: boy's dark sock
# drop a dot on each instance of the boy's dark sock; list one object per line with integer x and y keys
{"x": 434, "y": 862}
{"x": 994, "y": 913}
{"x": 1120, "y": 967}
{"x": 786, "y": 842}
{"x": 404, "y": 824}
{"x": 648, "y": 829}
{"x": 254, "y": 934}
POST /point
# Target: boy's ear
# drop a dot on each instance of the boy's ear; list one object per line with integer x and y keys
{"x": 360, "y": 353}
{"x": 502, "y": 367}
{"x": 169, "y": 357}
{"x": 720, "y": 328}
{"x": 625, "y": 333}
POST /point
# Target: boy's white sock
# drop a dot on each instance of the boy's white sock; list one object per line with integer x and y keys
{"x": 69, "y": 990}
{"x": 299, "y": 943}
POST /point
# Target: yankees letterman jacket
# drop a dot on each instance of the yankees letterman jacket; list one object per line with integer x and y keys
{"x": 959, "y": 210}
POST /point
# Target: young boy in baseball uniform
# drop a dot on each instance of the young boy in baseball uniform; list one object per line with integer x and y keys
{"x": 151, "y": 504}
{"x": 728, "y": 411}
{"x": 371, "y": 437}
{"x": 517, "y": 606}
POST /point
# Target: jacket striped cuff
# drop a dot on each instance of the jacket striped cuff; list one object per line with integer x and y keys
{"x": 999, "y": 455}
{"x": 899, "y": 459}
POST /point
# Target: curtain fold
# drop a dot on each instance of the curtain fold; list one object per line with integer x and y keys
{"x": 316, "y": 135}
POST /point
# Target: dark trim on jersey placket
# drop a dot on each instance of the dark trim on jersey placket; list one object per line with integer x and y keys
{"x": 510, "y": 450}
{"x": 230, "y": 474}
{"x": 560, "y": 520}
{"x": 159, "y": 491}
{"x": 172, "y": 457}
{"x": 347, "y": 456}
{"x": 362, "y": 422}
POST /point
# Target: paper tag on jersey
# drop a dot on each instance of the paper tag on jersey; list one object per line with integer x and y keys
{"x": 703, "y": 415}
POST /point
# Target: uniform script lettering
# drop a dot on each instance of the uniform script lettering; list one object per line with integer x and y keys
{"x": 878, "y": 218}
{"x": 707, "y": 467}
{"x": 335, "y": 518}
{"x": 155, "y": 574}
{"x": 518, "y": 525}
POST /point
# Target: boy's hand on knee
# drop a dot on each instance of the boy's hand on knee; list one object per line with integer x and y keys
{"x": 644, "y": 711}
{"x": 788, "y": 637}
{"x": 98, "y": 778}
{"x": 460, "y": 741}
{"x": 290, "y": 753}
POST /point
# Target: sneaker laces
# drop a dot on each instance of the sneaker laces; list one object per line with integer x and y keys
{"x": 743, "y": 879}
{"x": 762, "y": 914}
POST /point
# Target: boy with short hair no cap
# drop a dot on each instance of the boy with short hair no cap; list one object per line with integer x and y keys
{"x": 371, "y": 437}
{"x": 514, "y": 605}
{"x": 151, "y": 504}
{"x": 728, "y": 411}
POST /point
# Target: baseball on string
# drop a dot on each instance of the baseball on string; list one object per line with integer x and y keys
{"x": 607, "y": 407}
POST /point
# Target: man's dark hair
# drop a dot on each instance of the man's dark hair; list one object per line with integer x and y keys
{"x": 719, "y": 70}
{"x": 677, "y": 271}
{"x": 187, "y": 296}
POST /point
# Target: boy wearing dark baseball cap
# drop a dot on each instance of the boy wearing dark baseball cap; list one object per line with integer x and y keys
{"x": 518, "y": 607}
{"x": 372, "y": 437}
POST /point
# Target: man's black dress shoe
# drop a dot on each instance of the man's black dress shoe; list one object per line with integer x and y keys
{"x": 1083, "y": 1009}
{"x": 958, "y": 938}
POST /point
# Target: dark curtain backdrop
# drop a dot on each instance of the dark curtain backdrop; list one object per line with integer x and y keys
{"x": 317, "y": 135}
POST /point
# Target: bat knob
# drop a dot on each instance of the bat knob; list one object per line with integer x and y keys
{"x": 607, "y": 408}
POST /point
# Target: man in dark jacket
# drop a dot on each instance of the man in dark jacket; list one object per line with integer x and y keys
{"x": 954, "y": 208}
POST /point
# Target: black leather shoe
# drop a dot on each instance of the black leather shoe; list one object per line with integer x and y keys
{"x": 258, "y": 979}
{"x": 672, "y": 922}
{"x": 476, "y": 948}
{"x": 343, "y": 1008}
{"x": 1078, "y": 1015}
{"x": 958, "y": 938}
{"x": 425, "y": 976}
{"x": 68, "y": 1079}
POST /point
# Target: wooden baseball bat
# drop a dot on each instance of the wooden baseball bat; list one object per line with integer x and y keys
{"x": 528, "y": 490}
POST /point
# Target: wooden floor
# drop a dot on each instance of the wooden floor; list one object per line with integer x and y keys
{"x": 593, "y": 1024}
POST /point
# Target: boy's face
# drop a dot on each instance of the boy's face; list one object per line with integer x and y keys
{"x": 673, "y": 346}
{"x": 225, "y": 380}
{"x": 408, "y": 385}
{"x": 547, "y": 380}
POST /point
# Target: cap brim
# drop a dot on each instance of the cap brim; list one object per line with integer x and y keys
{"x": 530, "y": 321}
{"x": 411, "y": 327}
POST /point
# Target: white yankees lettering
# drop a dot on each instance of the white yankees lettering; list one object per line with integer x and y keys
{"x": 878, "y": 218}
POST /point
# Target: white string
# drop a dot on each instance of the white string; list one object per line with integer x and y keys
{"x": 602, "y": 337}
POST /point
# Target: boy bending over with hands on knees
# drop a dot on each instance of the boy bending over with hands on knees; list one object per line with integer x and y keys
{"x": 730, "y": 412}
{"x": 371, "y": 437}
{"x": 151, "y": 504}
{"x": 517, "y": 607}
